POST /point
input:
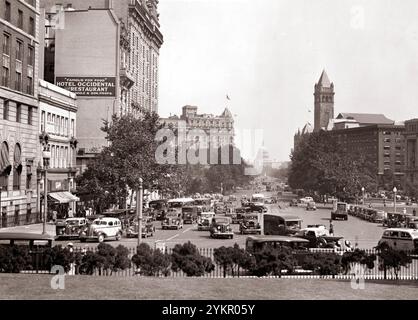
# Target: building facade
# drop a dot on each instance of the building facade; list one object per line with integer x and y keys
{"x": 411, "y": 141}
{"x": 204, "y": 130}
{"x": 107, "y": 53}
{"x": 58, "y": 109}
{"x": 324, "y": 102}
{"x": 19, "y": 21}
{"x": 381, "y": 146}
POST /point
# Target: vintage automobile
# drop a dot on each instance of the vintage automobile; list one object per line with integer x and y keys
{"x": 294, "y": 203}
{"x": 190, "y": 214}
{"x": 318, "y": 237}
{"x": 173, "y": 220}
{"x": 220, "y": 208}
{"x": 159, "y": 209}
{"x": 221, "y": 228}
{"x": 148, "y": 228}
{"x": 339, "y": 211}
{"x": 204, "y": 224}
{"x": 311, "y": 206}
{"x": 396, "y": 220}
{"x": 257, "y": 207}
{"x": 69, "y": 228}
{"x": 102, "y": 229}
{"x": 400, "y": 239}
{"x": 250, "y": 225}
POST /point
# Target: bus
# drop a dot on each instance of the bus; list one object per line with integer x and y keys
{"x": 179, "y": 203}
{"x": 258, "y": 198}
{"x": 205, "y": 204}
{"x": 159, "y": 208}
{"x": 255, "y": 244}
{"x": 281, "y": 225}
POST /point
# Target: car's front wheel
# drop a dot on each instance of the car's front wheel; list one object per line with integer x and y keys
{"x": 118, "y": 236}
{"x": 100, "y": 238}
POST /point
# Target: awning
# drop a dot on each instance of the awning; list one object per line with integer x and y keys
{"x": 63, "y": 197}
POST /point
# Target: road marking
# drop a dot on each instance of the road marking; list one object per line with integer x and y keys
{"x": 175, "y": 236}
{"x": 187, "y": 229}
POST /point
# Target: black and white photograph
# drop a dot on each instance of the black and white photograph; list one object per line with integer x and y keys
{"x": 207, "y": 151}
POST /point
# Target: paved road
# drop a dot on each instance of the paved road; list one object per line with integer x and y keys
{"x": 365, "y": 234}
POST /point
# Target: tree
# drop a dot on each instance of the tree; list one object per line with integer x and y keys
{"x": 122, "y": 261}
{"x": 14, "y": 259}
{"x": 188, "y": 259}
{"x": 323, "y": 263}
{"x": 271, "y": 261}
{"x": 392, "y": 259}
{"x": 151, "y": 262}
{"x": 108, "y": 253}
{"x": 59, "y": 256}
{"x": 232, "y": 259}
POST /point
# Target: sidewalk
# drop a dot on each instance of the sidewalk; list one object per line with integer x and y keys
{"x": 33, "y": 228}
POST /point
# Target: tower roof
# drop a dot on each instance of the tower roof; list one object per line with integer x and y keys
{"x": 324, "y": 80}
{"x": 307, "y": 129}
{"x": 227, "y": 113}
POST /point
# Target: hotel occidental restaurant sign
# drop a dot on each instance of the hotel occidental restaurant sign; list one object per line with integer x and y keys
{"x": 89, "y": 86}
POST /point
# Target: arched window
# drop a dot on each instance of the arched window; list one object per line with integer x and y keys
{"x": 5, "y": 166}
{"x": 17, "y": 167}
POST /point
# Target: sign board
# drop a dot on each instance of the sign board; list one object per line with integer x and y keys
{"x": 57, "y": 185}
{"x": 88, "y": 86}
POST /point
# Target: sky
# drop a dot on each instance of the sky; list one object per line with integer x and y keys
{"x": 266, "y": 55}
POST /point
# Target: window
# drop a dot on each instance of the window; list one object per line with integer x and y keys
{"x": 43, "y": 121}
{"x": 28, "y": 177}
{"x": 52, "y": 165}
{"x": 31, "y": 56}
{"x": 5, "y": 77}
{"x": 387, "y": 140}
{"x": 18, "y": 112}
{"x": 55, "y": 124}
{"x": 7, "y": 14}
{"x": 18, "y": 82}
{"x": 6, "y": 44}
{"x": 66, "y": 127}
{"x": 30, "y": 115}
{"x": 29, "y": 86}
{"x": 4, "y": 175}
{"x": 72, "y": 128}
{"x": 386, "y": 147}
{"x": 20, "y": 19}
{"x": 49, "y": 117}
{"x": 19, "y": 50}
{"x": 6, "y": 106}
{"x": 31, "y": 26}
{"x": 17, "y": 213}
{"x": 17, "y": 167}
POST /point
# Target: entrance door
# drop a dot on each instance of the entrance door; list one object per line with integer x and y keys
{"x": 4, "y": 217}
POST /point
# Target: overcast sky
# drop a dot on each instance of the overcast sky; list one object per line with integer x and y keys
{"x": 268, "y": 54}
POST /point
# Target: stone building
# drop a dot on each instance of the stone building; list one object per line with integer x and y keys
{"x": 107, "y": 53}
{"x": 216, "y": 131}
{"x": 411, "y": 142}
{"x": 19, "y": 22}
{"x": 324, "y": 102}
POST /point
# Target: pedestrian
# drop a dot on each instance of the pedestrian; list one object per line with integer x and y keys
{"x": 414, "y": 212}
{"x": 404, "y": 210}
{"x": 331, "y": 228}
{"x": 70, "y": 213}
{"x": 54, "y": 215}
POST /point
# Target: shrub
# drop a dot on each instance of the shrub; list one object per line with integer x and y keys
{"x": 323, "y": 263}
{"x": 232, "y": 259}
{"x": 59, "y": 256}
{"x": 151, "y": 262}
{"x": 14, "y": 259}
{"x": 392, "y": 259}
{"x": 122, "y": 261}
{"x": 357, "y": 256}
{"x": 271, "y": 261}
{"x": 187, "y": 258}
{"x": 90, "y": 262}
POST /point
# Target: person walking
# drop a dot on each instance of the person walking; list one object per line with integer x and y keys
{"x": 331, "y": 228}
{"x": 404, "y": 210}
{"x": 414, "y": 212}
{"x": 70, "y": 213}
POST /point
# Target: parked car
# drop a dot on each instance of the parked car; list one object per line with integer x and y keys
{"x": 204, "y": 224}
{"x": 400, "y": 239}
{"x": 221, "y": 228}
{"x": 340, "y": 211}
{"x": 102, "y": 229}
{"x": 294, "y": 203}
{"x": 250, "y": 225}
{"x": 258, "y": 207}
{"x": 70, "y": 228}
{"x": 190, "y": 214}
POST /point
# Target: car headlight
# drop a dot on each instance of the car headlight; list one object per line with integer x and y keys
{"x": 219, "y": 228}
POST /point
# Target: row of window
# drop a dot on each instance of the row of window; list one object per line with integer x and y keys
{"x": 19, "y": 57}
{"x": 57, "y": 125}
{"x": 14, "y": 168}
{"x": 20, "y": 108}
{"x": 397, "y": 140}
{"x": 59, "y": 157}
{"x": 20, "y": 19}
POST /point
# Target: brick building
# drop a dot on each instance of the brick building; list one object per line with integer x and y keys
{"x": 107, "y": 52}
{"x": 324, "y": 102}
{"x": 19, "y": 159}
{"x": 411, "y": 141}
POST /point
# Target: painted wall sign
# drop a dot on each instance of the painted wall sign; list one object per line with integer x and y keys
{"x": 89, "y": 86}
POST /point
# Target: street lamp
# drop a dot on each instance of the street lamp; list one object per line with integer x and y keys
{"x": 394, "y": 198}
{"x": 139, "y": 211}
{"x": 46, "y": 155}
{"x": 362, "y": 190}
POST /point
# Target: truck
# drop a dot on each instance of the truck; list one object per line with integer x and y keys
{"x": 339, "y": 211}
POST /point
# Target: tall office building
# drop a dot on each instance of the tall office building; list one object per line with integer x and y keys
{"x": 107, "y": 53}
{"x": 19, "y": 158}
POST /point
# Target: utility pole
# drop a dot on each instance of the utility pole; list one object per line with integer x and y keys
{"x": 139, "y": 210}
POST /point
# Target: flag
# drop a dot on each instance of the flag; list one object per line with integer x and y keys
{"x": 309, "y": 110}
{"x": 227, "y": 97}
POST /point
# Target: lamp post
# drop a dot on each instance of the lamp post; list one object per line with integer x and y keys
{"x": 362, "y": 190}
{"x": 46, "y": 155}
{"x": 139, "y": 211}
{"x": 394, "y": 198}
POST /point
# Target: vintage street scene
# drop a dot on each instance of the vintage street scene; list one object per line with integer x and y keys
{"x": 208, "y": 150}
